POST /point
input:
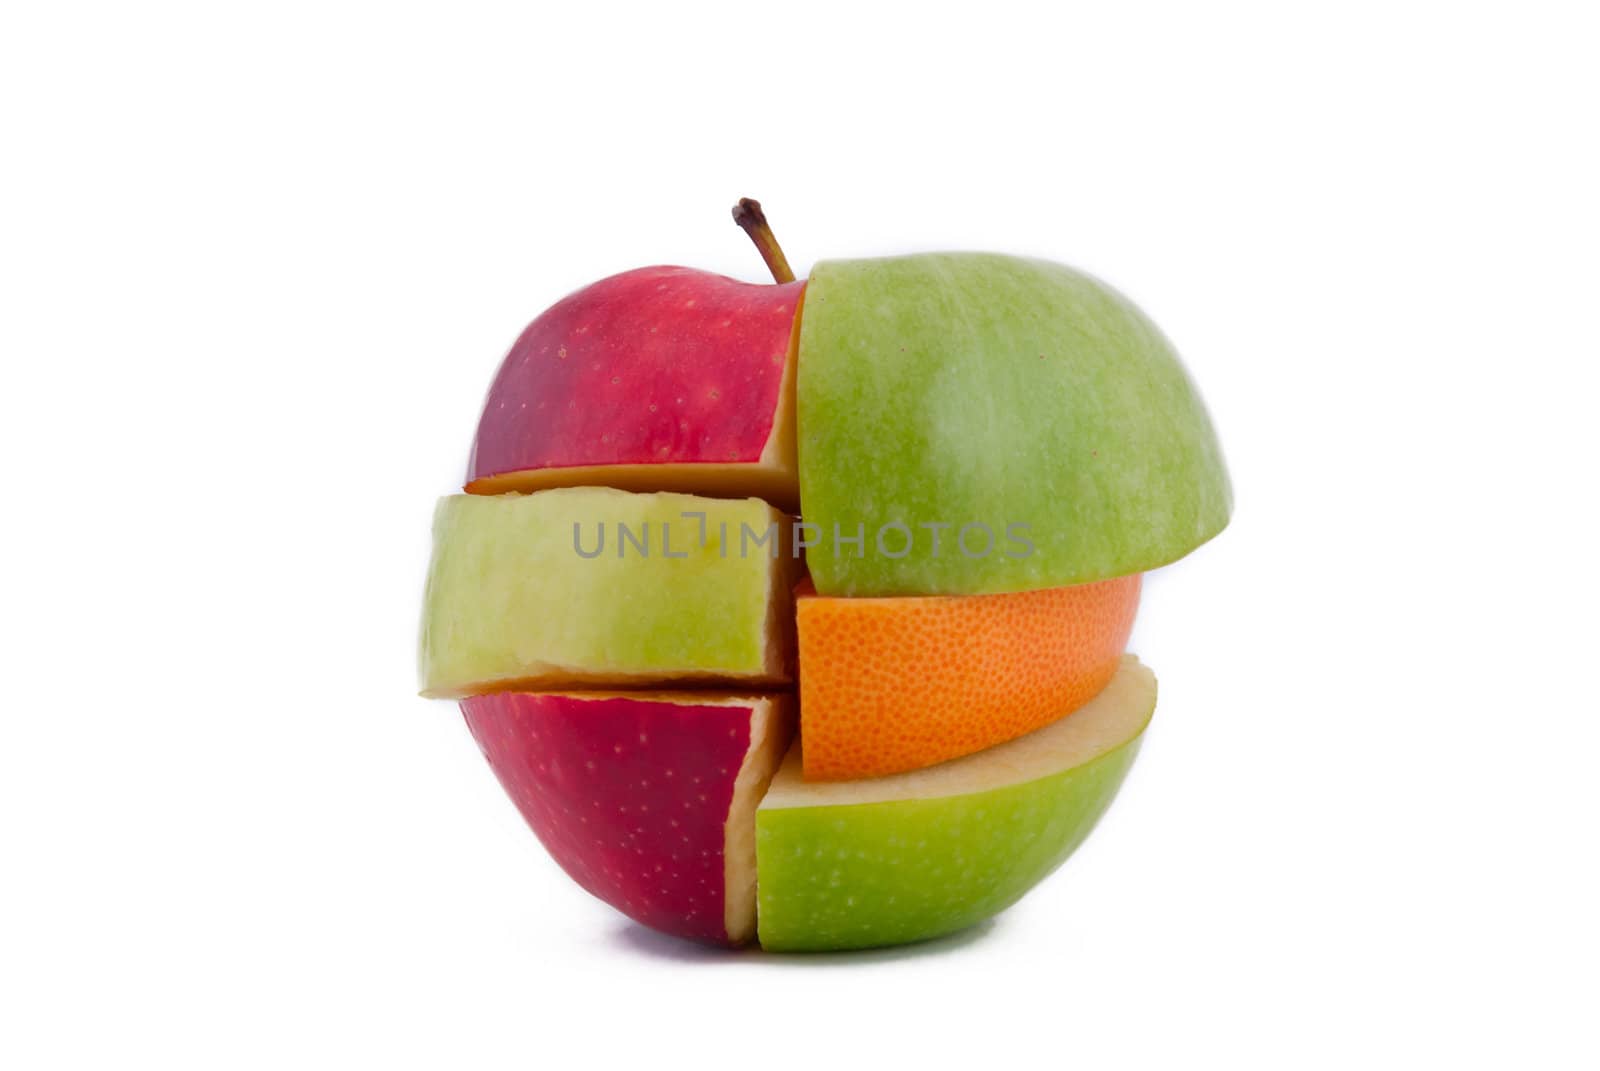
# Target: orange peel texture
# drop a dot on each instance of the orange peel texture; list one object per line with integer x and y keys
{"x": 899, "y": 683}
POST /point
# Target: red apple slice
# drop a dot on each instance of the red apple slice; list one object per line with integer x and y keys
{"x": 648, "y": 801}
{"x": 660, "y": 379}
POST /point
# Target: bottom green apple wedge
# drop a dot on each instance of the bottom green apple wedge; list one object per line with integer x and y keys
{"x": 891, "y": 860}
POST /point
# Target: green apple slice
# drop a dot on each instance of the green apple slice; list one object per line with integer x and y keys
{"x": 1025, "y": 416}
{"x": 890, "y": 860}
{"x": 593, "y": 587}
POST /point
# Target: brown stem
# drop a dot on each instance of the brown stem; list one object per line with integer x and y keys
{"x": 748, "y": 215}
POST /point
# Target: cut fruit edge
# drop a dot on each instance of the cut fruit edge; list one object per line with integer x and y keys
{"x": 548, "y": 679}
{"x": 772, "y": 726}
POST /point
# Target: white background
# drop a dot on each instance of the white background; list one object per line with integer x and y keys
{"x": 257, "y": 266}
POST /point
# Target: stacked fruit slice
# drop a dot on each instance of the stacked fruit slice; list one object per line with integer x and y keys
{"x": 985, "y": 453}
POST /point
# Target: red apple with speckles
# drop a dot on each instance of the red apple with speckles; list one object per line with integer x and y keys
{"x": 647, "y": 800}
{"x": 659, "y": 379}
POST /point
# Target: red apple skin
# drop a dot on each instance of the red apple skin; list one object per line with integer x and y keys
{"x": 630, "y": 796}
{"x": 658, "y": 366}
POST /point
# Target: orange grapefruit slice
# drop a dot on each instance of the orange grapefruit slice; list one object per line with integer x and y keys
{"x": 895, "y": 684}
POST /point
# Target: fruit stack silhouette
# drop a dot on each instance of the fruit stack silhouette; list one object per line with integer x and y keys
{"x": 797, "y": 612}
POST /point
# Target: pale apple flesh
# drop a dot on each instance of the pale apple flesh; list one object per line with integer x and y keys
{"x": 912, "y": 856}
{"x": 659, "y": 379}
{"x": 687, "y": 596}
{"x": 646, "y": 801}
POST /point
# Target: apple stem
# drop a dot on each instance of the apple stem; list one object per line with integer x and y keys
{"x": 748, "y": 215}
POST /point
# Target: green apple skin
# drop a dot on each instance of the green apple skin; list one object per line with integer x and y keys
{"x": 896, "y": 871}
{"x": 979, "y": 389}
{"x": 892, "y": 873}
{"x": 509, "y": 599}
